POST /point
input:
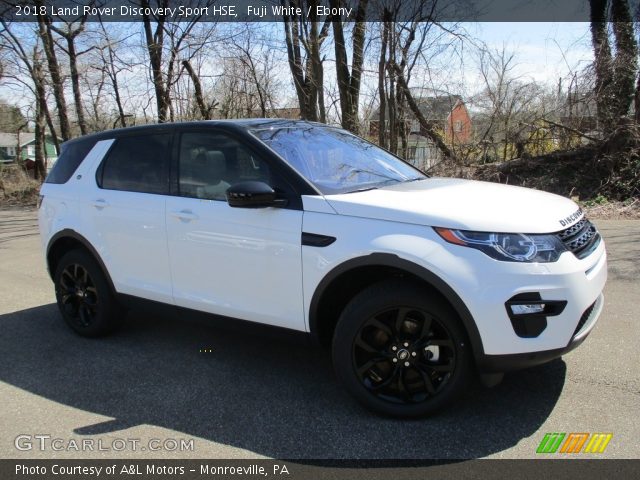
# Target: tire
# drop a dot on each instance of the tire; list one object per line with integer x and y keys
{"x": 84, "y": 296}
{"x": 401, "y": 351}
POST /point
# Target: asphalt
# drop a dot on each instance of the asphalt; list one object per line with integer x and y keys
{"x": 245, "y": 392}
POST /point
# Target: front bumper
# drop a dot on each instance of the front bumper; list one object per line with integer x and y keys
{"x": 505, "y": 363}
{"x": 486, "y": 286}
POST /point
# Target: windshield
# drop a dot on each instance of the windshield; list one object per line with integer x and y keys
{"x": 334, "y": 160}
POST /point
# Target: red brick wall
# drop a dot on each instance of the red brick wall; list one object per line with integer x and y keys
{"x": 459, "y": 124}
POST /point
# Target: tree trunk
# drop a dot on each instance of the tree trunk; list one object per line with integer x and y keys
{"x": 382, "y": 62}
{"x": 40, "y": 171}
{"x": 75, "y": 83}
{"x": 625, "y": 64}
{"x": 636, "y": 103}
{"x": 307, "y": 79}
{"x": 349, "y": 82}
{"x": 317, "y": 78}
{"x": 602, "y": 62}
{"x": 205, "y": 111}
{"x": 155, "y": 43}
{"x": 614, "y": 85}
{"x": 44, "y": 29}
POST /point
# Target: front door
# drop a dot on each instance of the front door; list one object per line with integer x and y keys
{"x": 238, "y": 262}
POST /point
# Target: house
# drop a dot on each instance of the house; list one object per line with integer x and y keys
{"x": 450, "y": 116}
{"x": 9, "y": 148}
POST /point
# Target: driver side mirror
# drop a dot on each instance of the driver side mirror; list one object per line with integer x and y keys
{"x": 253, "y": 194}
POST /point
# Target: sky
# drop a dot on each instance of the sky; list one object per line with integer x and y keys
{"x": 544, "y": 51}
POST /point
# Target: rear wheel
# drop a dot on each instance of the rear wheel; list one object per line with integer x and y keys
{"x": 84, "y": 297}
{"x": 400, "y": 351}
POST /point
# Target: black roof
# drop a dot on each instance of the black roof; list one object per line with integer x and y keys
{"x": 230, "y": 125}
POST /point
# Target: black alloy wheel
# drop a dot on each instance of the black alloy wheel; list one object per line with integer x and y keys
{"x": 404, "y": 355}
{"x": 400, "y": 349}
{"x": 78, "y": 295}
{"x": 85, "y": 298}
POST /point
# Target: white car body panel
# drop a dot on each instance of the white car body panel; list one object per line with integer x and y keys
{"x": 239, "y": 262}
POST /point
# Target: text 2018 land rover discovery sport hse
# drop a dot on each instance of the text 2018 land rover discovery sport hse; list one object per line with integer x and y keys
{"x": 415, "y": 282}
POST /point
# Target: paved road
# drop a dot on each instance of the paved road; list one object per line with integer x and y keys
{"x": 261, "y": 393}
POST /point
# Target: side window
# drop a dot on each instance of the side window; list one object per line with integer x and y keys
{"x": 211, "y": 162}
{"x": 69, "y": 160}
{"x": 137, "y": 164}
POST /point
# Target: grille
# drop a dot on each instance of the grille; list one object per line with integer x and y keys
{"x": 583, "y": 319}
{"x": 581, "y": 238}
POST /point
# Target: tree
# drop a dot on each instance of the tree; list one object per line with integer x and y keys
{"x": 69, "y": 33}
{"x": 615, "y": 74}
{"x": 402, "y": 44}
{"x": 165, "y": 69}
{"x": 429, "y": 128}
{"x": 30, "y": 62}
{"x": 11, "y": 118}
{"x": 511, "y": 104}
{"x": 257, "y": 68}
{"x": 306, "y": 69}
{"x": 349, "y": 81}
{"x": 205, "y": 108}
{"x": 48, "y": 44}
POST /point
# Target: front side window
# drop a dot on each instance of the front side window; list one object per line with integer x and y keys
{"x": 211, "y": 162}
{"x": 137, "y": 164}
{"x": 334, "y": 160}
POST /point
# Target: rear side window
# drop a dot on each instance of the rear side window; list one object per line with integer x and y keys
{"x": 137, "y": 164}
{"x": 69, "y": 160}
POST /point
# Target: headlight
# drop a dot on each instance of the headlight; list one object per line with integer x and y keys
{"x": 509, "y": 247}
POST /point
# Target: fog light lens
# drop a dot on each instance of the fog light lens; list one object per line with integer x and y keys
{"x": 527, "y": 309}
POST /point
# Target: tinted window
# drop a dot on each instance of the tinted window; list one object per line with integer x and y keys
{"x": 137, "y": 164}
{"x": 69, "y": 160}
{"x": 211, "y": 162}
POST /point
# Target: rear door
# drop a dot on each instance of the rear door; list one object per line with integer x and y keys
{"x": 128, "y": 212}
{"x": 239, "y": 262}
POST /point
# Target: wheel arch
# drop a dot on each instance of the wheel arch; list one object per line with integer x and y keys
{"x": 66, "y": 240}
{"x": 360, "y": 272}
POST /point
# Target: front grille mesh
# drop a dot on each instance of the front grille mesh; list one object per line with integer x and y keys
{"x": 580, "y": 238}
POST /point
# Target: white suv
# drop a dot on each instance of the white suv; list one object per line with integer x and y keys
{"x": 415, "y": 282}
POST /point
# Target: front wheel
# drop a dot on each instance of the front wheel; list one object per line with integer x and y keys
{"x": 400, "y": 350}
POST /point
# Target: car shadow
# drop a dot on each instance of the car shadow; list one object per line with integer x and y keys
{"x": 265, "y": 390}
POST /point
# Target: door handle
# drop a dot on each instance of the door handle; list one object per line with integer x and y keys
{"x": 185, "y": 215}
{"x": 100, "y": 203}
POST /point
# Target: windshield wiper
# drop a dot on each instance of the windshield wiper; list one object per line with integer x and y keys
{"x": 366, "y": 189}
{"x": 375, "y": 187}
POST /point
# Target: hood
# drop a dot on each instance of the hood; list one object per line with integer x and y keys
{"x": 462, "y": 204}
